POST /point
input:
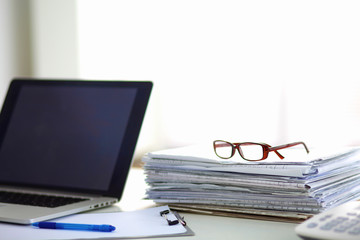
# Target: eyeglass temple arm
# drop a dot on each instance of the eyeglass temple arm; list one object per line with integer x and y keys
{"x": 287, "y": 146}
{"x": 277, "y": 153}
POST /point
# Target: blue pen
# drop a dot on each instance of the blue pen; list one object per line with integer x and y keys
{"x": 74, "y": 226}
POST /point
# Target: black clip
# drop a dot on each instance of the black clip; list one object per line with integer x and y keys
{"x": 181, "y": 219}
{"x": 170, "y": 222}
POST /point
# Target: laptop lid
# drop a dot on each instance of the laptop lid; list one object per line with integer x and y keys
{"x": 71, "y": 135}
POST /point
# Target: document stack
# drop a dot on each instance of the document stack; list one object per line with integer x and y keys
{"x": 289, "y": 189}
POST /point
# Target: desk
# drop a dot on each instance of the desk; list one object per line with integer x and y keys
{"x": 207, "y": 227}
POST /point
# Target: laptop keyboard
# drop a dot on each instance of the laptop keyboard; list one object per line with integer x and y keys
{"x": 37, "y": 199}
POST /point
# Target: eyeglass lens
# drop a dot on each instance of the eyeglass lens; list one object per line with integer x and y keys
{"x": 223, "y": 149}
{"x": 251, "y": 151}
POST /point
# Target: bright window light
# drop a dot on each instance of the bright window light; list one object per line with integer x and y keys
{"x": 268, "y": 71}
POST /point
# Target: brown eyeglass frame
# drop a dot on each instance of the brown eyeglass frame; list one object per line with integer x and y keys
{"x": 266, "y": 149}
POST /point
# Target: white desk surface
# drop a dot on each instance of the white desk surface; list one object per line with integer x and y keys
{"x": 205, "y": 226}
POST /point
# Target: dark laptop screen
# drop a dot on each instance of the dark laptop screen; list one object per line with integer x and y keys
{"x": 66, "y": 136}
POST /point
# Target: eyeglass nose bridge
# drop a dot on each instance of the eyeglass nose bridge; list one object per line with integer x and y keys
{"x": 236, "y": 146}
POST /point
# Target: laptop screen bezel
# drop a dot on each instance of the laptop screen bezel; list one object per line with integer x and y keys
{"x": 127, "y": 149}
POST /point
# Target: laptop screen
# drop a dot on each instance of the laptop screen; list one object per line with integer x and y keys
{"x": 68, "y": 135}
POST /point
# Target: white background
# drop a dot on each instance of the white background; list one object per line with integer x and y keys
{"x": 268, "y": 71}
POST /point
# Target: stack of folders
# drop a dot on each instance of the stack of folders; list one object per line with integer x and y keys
{"x": 292, "y": 189}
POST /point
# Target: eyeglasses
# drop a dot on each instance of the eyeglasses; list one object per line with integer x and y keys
{"x": 250, "y": 151}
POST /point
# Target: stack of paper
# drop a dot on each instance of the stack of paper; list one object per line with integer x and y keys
{"x": 300, "y": 185}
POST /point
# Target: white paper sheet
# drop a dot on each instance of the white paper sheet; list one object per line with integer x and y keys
{"x": 142, "y": 223}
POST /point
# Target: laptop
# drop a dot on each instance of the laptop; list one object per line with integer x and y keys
{"x": 66, "y": 146}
